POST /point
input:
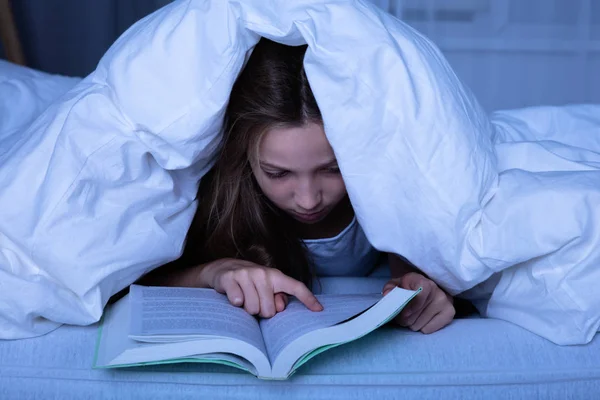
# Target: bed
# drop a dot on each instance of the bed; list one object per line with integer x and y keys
{"x": 471, "y": 358}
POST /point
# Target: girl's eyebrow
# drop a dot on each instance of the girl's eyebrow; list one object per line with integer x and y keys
{"x": 264, "y": 164}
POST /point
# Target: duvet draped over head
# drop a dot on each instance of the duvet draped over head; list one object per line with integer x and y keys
{"x": 99, "y": 181}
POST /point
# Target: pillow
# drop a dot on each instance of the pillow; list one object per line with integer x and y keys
{"x": 101, "y": 186}
{"x": 26, "y": 93}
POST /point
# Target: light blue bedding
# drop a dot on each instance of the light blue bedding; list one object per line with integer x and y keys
{"x": 471, "y": 358}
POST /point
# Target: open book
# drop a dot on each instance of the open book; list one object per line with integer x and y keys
{"x": 154, "y": 325}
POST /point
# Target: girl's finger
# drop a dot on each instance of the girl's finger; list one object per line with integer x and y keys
{"x": 285, "y": 284}
{"x": 439, "y": 321}
{"x": 234, "y": 293}
{"x": 426, "y": 315}
{"x": 391, "y": 284}
{"x": 266, "y": 298}
{"x": 415, "y": 308}
{"x": 439, "y": 302}
{"x": 251, "y": 300}
{"x": 280, "y": 302}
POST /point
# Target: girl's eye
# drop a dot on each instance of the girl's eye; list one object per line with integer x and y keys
{"x": 333, "y": 170}
{"x": 276, "y": 175}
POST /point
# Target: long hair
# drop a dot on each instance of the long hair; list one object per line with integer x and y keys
{"x": 234, "y": 218}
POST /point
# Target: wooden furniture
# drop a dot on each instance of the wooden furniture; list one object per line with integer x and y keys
{"x": 9, "y": 36}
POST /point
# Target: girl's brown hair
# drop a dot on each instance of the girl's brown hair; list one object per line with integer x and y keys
{"x": 234, "y": 218}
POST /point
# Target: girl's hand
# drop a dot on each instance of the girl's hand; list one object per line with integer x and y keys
{"x": 430, "y": 310}
{"x": 260, "y": 290}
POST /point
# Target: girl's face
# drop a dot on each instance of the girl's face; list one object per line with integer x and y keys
{"x": 297, "y": 170}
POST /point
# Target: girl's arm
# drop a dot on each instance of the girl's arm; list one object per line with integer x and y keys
{"x": 175, "y": 275}
{"x": 400, "y": 266}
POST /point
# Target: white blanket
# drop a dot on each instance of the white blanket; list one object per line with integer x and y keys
{"x": 100, "y": 187}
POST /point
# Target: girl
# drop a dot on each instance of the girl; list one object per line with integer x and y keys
{"x": 274, "y": 211}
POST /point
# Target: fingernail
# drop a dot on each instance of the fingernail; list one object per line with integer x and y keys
{"x": 237, "y": 301}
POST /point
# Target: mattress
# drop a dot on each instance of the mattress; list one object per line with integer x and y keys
{"x": 471, "y": 358}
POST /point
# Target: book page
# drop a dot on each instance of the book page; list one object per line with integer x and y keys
{"x": 348, "y": 285}
{"x": 179, "y": 312}
{"x": 296, "y": 320}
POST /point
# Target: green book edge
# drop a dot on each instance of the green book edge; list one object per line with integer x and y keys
{"x": 308, "y": 356}
{"x": 98, "y": 338}
{"x": 161, "y": 362}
